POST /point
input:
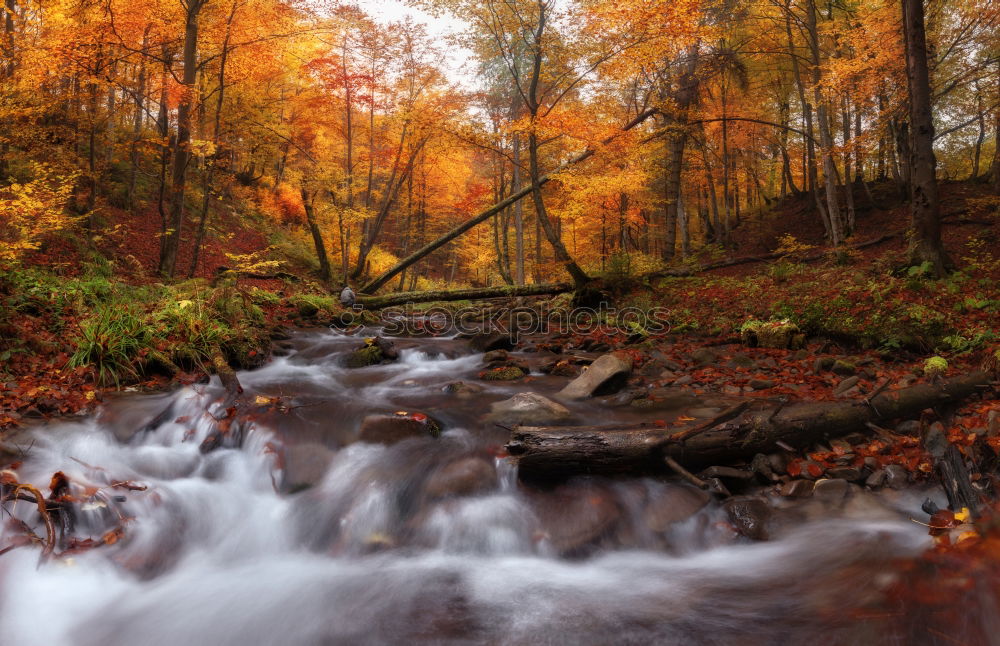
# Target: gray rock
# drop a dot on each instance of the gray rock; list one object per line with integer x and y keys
{"x": 761, "y": 384}
{"x": 843, "y": 368}
{"x": 674, "y": 505}
{"x": 876, "y": 479}
{"x": 462, "y": 478}
{"x": 749, "y": 516}
{"x": 495, "y": 355}
{"x": 797, "y": 489}
{"x": 729, "y": 389}
{"x": 846, "y": 385}
{"x": 832, "y": 491}
{"x": 463, "y": 389}
{"x": 683, "y": 380}
{"x": 741, "y": 361}
{"x": 389, "y": 429}
{"x": 607, "y": 375}
{"x": 850, "y": 474}
{"x": 703, "y": 357}
{"x": 822, "y": 363}
{"x": 486, "y": 341}
{"x": 529, "y": 409}
{"x": 304, "y": 466}
{"x": 896, "y": 476}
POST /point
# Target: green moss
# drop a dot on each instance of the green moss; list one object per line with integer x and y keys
{"x": 503, "y": 373}
{"x": 934, "y": 366}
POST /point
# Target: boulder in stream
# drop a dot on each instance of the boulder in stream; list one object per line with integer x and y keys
{"x": 304, "y": 466}
{"x": 607, "y": 375}
{"x": 376, "y": 350}
{"x": 463, "y": 477}
{"x": 749, "y": 517}
{"x": 487, "y": 341}
{"x": 389, "y": 429}
{"x": 529, "y": 409}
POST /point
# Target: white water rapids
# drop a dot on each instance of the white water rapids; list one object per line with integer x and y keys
{"x": 213, "y": 554}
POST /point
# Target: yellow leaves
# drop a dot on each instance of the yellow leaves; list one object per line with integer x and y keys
{"x": 184, "y": 304}
{"x": 34, "y": 209}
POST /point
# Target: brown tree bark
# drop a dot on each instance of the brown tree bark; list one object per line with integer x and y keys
{"x": 925, "y": 207}
{"x": 557, "y": 452}
{"x": 170, "y": 244}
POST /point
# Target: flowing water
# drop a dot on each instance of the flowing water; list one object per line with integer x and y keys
{"x": 215, "y": 551}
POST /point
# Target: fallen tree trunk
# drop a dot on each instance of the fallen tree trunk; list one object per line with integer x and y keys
{"x": 389, "y": 300}
{"x": 482, "y": 216}
{"x": 555, "y": 452}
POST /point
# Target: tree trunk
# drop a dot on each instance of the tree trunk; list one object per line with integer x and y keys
{"x": 925, "y": 208}
{"x": 482, "y": 216}
{"x": 558, "y": 452}
{"x": 317, "y": 235}
{"x": 182, "y": 150}
{"x": 140, "y": 108}
{"x": 392, "y": 300}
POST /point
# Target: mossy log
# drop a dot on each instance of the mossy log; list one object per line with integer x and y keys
{"x": 404, "y": 298}
{"x": 556, "y": 452}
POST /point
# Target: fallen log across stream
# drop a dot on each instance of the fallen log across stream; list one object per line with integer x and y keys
{"x": 558, "y": 452}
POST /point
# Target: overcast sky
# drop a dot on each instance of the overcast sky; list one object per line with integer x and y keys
{"x": 457, "y": 59}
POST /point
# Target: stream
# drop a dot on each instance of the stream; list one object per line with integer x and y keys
{"x": 431, "y": 540}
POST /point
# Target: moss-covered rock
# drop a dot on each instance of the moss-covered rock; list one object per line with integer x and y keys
{"x": 935, "y": 366}
{"x": 503, "y": 373}
{"x": 375, "y": 350}
{"x": 772, "y": 334}
{"x": 843, "y": 368}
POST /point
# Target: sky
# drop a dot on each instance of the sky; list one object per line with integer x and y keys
{"x": 456, "y": 59}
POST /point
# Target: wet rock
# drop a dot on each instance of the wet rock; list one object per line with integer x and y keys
{"x": 503, "y": 373}
{"x": 573, "y": 518}
{"x": 495, "y": 356}
{"x": 797, "y": 489}
{"x": 389, "y": 429}
{"x": 561, "y": 368}
{"x": 876, "y": 479}
{"x": 376, "y": 350}
{"x": 673, "y": 505}
{"x": 486, "y": 341}
{"x": 703, "y": 412}
{"x": 463, "y": 389}
{"x": 749, "y": 517}
{"x": 683, "y": 380}
{"x": 844, "y": 386}
{"x": 664, "y": 361}
{"x": 607, "y": 375}
{"x": 850, "y": 474}
{"x": 729, "y": 389}
{"x": 761, "y": 384}
{"x": 779, "y": 462}
{"x": 993, "y": 422}
{"x": 896, "y": 477}
{"x": 529, "y": 409}
{"x": 831, "y": 491}
{"x": 843, "y": 368}
{"x": 462, "y": 478}
{"x": 304, "y": 466}
{"x": 703, "y": 357}
{"x": 823, "y": 363}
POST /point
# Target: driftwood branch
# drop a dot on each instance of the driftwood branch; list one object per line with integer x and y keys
{"x": 554, "y": 452}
